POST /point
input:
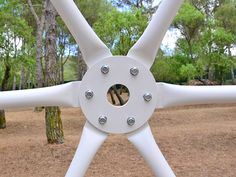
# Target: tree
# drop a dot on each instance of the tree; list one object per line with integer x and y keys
{"x": 188, "y": 72}
{"x": 226, "y": 18}
{"x": 92, "y": 10}
{"x": 166, "y": 70}
{"x": 133, "y": 3}
{"x": 11, "y": 39}
{"x": 217, "y": 42}
{"x": 189, "y": 21}
{"x": 145, "y": 5}
{"x": 40, "y": 21}
{"x": 54, "y": 128}
{"x": 65, "y": 46}
{"x": 120, "y": 30}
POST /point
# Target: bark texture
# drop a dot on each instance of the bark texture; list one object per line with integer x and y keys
{"x": 54, "y": 128}
{"x": 40, "y": 21}
{"x": 233, "y": 77}
{"x": 2, "y": 119}
{"x": 4, "y": 87}
{"x": 82, "y": 66}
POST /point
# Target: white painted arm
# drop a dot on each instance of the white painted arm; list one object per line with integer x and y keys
{"x": 144, "y": 141}
{"x": 175, "y": 95}
{"x": 92, "y": 48}
{"x": 90, "y": 142}
{"x": 146, "y": 47}
{"x": 61, "y": 95}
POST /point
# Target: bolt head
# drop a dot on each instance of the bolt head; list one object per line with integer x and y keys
{"x": 147, "y": 97}
{"x": 89, "y": 94}
{"x": 134, "y": 71}
{"x": 105, "y": 69}
{"x": 131, "y": 121}
{"x": 102, "y": 120}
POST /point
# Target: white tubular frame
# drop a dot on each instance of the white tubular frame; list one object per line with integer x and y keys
{"x": 66, "y": 95}
{"x": 92, "y": 48}
{"x": 175, "y": 95}
{"x": 146, "y": 47}
{"x": 144, "y": 141}
{"x": 90, "y": 141}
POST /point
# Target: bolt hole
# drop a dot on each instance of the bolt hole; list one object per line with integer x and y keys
{"x": 118, "y": 95}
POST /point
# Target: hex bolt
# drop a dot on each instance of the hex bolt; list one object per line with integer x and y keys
{"x": 131, "y": 121}
{"x": 89, "y": 94}
{"x": 105, "y": 69}
{"x": 147, "y": 97}
{"x": 134, "y": 71}
{"x": 102, "y": 120}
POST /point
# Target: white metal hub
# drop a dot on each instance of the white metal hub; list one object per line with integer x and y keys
{"x": 119, "y": 73}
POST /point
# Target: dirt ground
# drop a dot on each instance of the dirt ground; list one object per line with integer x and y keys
{"x": 197, "y": 142}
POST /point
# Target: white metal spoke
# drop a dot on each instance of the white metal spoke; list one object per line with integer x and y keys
{"x": 144, "y": 141}
{"x": 146, "y": 47}
{"x": 92, "y": 48}
{"x": 90, "y": 142}
{"x": 175, "y": 95}
{"x": 61, "y": 95}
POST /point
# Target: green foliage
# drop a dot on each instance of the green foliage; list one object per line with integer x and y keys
{"x": 189, "y": 16}
{"x": 222, "y": 67}
{"x": 71, "y": 69}
{"x": 189, "y": 20}
{"x": 120, "y": 30}
{"x": 1, "y": 71}
{"x": 222, "y": 38}
{"x": 200, "y": 68}
{"x": 226, "y": 16}
{"x": 188, "y": 72}
{"x": 166, "y": 70}
{"x": 15, "y": 39}
{"x": 93, "y": 10}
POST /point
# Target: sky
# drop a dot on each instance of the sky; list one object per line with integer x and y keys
{"x": 169, "y": 41}
{"x": 156, "y": 2}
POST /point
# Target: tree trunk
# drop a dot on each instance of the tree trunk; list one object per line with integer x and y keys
{"x": 40, "y": 21}
{"x": 232, "y": 69}
{"x": 14, "y": 83}
{"x": 54, "y": 128}
{"x": 82, "y": 67}
{"x": 2, "y": 119}
{"x": 39, "y": 54}
{"x": 120, "y": 99}
{"x": 22, "y": 78}
{"x": 4, "y": 87}
{"x": 62, "y": 72}
{"x": 190, "y": 49}
{"x": 112, "y": 97}
{"x": 233, "y": 77}
{"x": 6, "y": 77}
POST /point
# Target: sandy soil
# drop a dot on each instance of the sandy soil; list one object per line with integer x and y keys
{"x": 197, "y": 142}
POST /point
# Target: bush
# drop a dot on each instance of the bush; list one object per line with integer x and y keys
{"x": 166, "y": 70}
{"x": 188, "y": 72}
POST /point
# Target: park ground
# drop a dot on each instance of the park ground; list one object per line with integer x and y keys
{"x": 197, "y": 141}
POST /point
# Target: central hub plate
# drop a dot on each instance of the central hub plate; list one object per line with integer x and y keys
{"x": 119, "y": 73}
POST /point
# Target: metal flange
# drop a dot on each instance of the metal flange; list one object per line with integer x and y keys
{"x": 119, "y": 73}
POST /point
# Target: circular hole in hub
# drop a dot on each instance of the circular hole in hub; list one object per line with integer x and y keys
{"x": 118, "y": 95}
